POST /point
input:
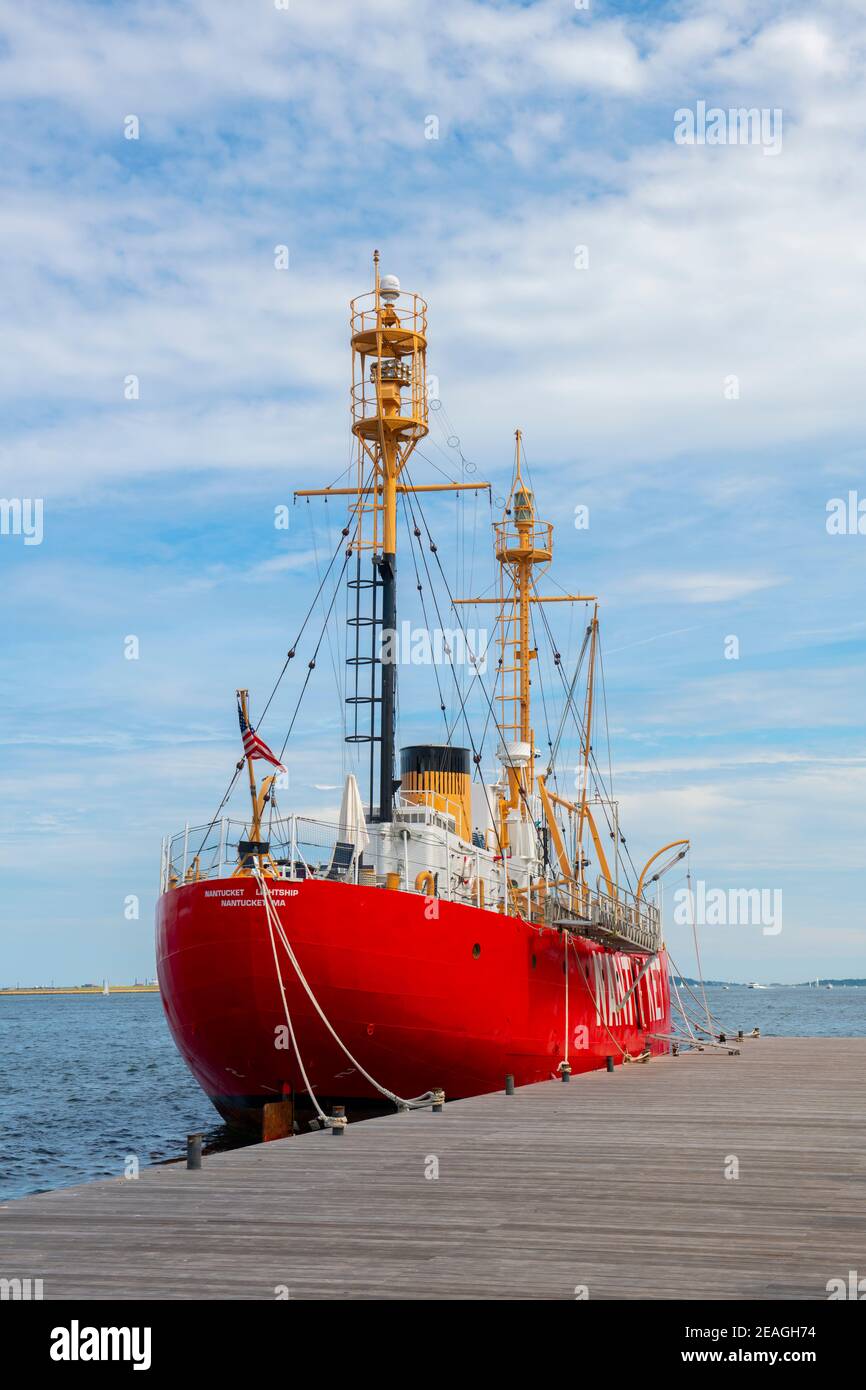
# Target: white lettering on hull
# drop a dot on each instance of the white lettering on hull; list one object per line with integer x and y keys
{"x": 236, "y": 897}
{"x": 613, "y": 977}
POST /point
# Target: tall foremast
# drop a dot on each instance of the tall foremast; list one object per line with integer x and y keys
{"x": 389, "y": 417}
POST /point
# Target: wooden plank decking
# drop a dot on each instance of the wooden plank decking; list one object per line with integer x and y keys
{"x": 612, "y": 1182}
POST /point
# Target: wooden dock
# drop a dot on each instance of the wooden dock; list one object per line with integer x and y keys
{"x": 613, "y": 1183}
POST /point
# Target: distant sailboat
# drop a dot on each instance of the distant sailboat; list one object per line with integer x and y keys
{"x": 105, "y": 989}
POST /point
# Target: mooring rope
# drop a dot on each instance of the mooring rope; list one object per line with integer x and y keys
{"x": 687, "y": 987}
{"x": 694, "y": 916}
{"x": 565, "y": 938}
{"x": 417, "y": 1102}
{"x": 301, "y": 1068}
{"x": 683, "y": 1013}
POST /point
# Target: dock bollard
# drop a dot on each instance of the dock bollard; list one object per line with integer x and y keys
{"x": 193, "y": 1151}
{"x": 438, "y": 1101}
{"x": 509, "y": 1085}
{"x": 565, "y": 1069}
{"x": 610, "y": 1064}
{"x": 338, "y": 1119}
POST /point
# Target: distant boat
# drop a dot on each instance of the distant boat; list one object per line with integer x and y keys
{"x": 105, "y": 989}
{"x": 828, "y": 986}
{"x": 757, "y": 986}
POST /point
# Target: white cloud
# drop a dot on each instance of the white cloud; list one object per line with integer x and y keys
{"x": 703, "y": 262}
{"x": 701, "y": 587}
{"x": 258, "y": 127}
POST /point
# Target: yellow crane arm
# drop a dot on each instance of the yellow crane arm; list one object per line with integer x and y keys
{"x": 264, "y": 789}
{"x": 599, "y": 849}
{"x": 555, "y": 832}
{"x": 548, "y": 799}
{"x": 652, "y": 859}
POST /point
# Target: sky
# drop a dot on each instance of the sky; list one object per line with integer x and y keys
{"x": 674, "y": 325}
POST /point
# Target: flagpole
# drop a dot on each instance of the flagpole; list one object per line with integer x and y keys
{"x": 255, "y": 827}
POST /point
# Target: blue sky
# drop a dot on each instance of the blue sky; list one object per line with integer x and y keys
{"x": 306, "y": 127}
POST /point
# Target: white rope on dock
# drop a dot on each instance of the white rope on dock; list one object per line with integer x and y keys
{"x": 306, "y": 1079}
{"x": 694, "y": 916}
{"x": 274, "y": 921}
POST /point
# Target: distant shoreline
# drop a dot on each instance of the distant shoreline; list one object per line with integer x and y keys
{"x": 83, "y": 989}
{"x": 775, "y": 984}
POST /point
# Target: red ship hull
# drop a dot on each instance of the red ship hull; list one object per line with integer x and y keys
{"x": 456, "y": 1000}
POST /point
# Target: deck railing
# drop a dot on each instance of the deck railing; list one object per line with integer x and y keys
{"x": 618, "y": 921}
{"x": 212, "y": 851}
{"x": 301, "y": 847}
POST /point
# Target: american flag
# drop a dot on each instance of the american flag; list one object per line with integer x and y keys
{"x": 255, "y": 747}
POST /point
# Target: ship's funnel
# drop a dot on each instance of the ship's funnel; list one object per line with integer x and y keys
{"x": 437, "y": 775}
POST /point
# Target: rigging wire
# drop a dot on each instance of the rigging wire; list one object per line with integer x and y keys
{"x": 229, "y": 789}
{"x": 290, "y": 657}
{"x": 541, "y": 686}
{"x": 435, "y": 552}
{"x": 311, "y": 665}
{"x": 293, "y": 648}
{"x": 334, "y": 666}
{"x": 476, "y": 751}
{"x": 594, "y": 767}
{"x": 420, "y": 588}
{"x": 693, "y": 915}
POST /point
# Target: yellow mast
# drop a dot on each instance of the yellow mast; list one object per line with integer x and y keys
{"x": 258, "y": 798}
{"x": 517, "y": 554}
{"x": 522, "y": 542}
{"x": 255, "y": 820}
{"x": 389, "y": 416}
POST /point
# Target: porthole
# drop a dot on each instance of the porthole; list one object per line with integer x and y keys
{"x": 476, "y": 950}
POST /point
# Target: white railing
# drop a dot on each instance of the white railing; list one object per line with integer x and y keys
{"x": 301, "y": 847}
{"x": 615, "y": 920}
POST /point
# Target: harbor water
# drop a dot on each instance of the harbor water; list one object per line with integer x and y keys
{"x": 93, "y": 1084}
